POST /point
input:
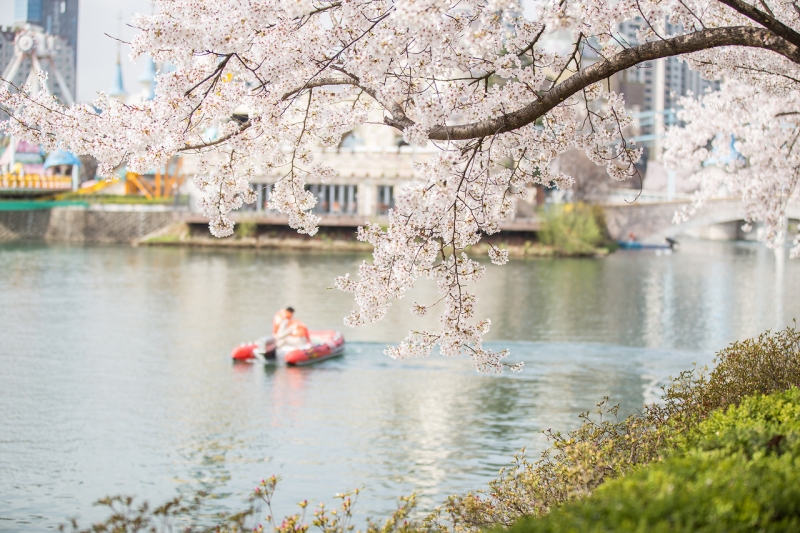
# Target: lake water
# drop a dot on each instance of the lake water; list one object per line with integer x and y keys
{"x": 115, "y": 378}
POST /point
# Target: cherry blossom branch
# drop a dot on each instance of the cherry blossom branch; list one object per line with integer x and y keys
{"x": 683, "y": 44}
{"x": 767, "y": 20}
{"x": 216, "y": 142}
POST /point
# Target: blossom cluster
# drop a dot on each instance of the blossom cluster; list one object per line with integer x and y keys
{"x": 743, "y": 139}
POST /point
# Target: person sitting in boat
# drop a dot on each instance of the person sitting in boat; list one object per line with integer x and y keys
{"x": 290, "y": 333}
{"x": 281, "y": 317}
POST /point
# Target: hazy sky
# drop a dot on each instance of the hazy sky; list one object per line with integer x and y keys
{"x": 97, "y": 54}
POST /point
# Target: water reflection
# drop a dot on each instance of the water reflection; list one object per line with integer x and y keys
{"x": 115, "y": 377}
{"x": 701, "y": 298}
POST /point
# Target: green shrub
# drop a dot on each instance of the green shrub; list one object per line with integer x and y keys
{"x": 246, "y": 229}
{"x": 768, "y": 363}
{"x": 737, "y": 471}
{"x": 573, "y": 229}
{"x": 605, "y": 447}
{"x": 118, "y": 199}
{"x": 760, "y": 424}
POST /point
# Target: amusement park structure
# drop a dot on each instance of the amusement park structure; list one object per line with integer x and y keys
{"x": 165, "y": 182}
{"x": 32, "y": 44}
{"x": 24, "y": 169}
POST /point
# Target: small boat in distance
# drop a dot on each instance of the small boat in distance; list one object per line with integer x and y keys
{"x": 324, "y": 345}
{"x": 636, "y": 245}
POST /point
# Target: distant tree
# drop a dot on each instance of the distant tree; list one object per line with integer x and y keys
{"x": 88, "y": 167}
{"x": 308, "y": 71}
{"x": 590, "y": 183}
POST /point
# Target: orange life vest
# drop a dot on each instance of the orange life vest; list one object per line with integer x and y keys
{"x": 298, "y": 329}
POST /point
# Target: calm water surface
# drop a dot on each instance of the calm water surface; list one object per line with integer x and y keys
{"x": 114, "y": 375}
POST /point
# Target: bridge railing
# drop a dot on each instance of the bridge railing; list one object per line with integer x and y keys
{"x": 626, "y": 196}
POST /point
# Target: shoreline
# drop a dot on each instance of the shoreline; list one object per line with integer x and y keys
{"x": 181, "y": 234}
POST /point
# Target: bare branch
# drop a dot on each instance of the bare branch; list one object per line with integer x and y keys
{"x": 323, "y": 82}
{"x": 216, "y": 141}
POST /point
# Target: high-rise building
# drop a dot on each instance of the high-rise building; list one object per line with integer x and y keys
{"x": 58, "y": 18}
{"x": 6, "y": 47}
{"x": 661, "y": 83}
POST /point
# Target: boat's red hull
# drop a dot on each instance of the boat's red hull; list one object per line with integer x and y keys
{"x": 325, "y": 344}
{"x": 244, "y": 352}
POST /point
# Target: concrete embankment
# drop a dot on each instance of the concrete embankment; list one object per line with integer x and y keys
{"x": 85, "y": 223}
{"x": 165, "y": 226}
{"x": 196, "y": 234}
{"x": 274, "y": 235}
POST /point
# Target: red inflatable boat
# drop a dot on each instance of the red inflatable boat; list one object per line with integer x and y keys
{"x": 324, "y": 345}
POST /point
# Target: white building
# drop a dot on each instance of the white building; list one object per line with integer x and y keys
{"x": 372, "y": 164}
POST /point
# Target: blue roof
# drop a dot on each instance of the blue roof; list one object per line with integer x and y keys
{"x": 149, "y": 77}
{"x": 117, "y": 89}
{"x": 61, "y": 157}
{"x": 149, "y": 72}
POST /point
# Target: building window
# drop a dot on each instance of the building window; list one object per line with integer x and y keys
{"x": 335, "y": 199}
{"x": 385, "y": 199}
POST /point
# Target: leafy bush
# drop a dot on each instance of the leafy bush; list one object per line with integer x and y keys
{"x": 573, "y": 229}
{"x": 737, "y": 471}
{"x": 335, "y": 520}
{"x": 245, "y": 229}
{"x": 605, "y": 447}
{"x": 762, "y": 365}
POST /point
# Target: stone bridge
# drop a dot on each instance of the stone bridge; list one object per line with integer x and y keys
{"x": 652, "y": 222}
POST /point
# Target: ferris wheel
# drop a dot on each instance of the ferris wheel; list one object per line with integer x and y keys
{"x": 40, "y": 48}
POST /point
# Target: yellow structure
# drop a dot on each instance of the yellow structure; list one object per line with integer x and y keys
{"x": 97, "y": 187}
{"x": 161, "y": 185}
{"x": 35, "y": 182}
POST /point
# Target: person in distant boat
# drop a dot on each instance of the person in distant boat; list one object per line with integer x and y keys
{"x": 288, "y": 332}
{"x": 281, "y": 317}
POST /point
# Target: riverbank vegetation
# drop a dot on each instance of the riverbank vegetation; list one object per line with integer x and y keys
{"x": 575, "y": 230}
{"x": 568, "y": 230}
{"x": 720, "y": 452}
{"x": 736, "y": 471}
{"x": 125, "y": 199}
